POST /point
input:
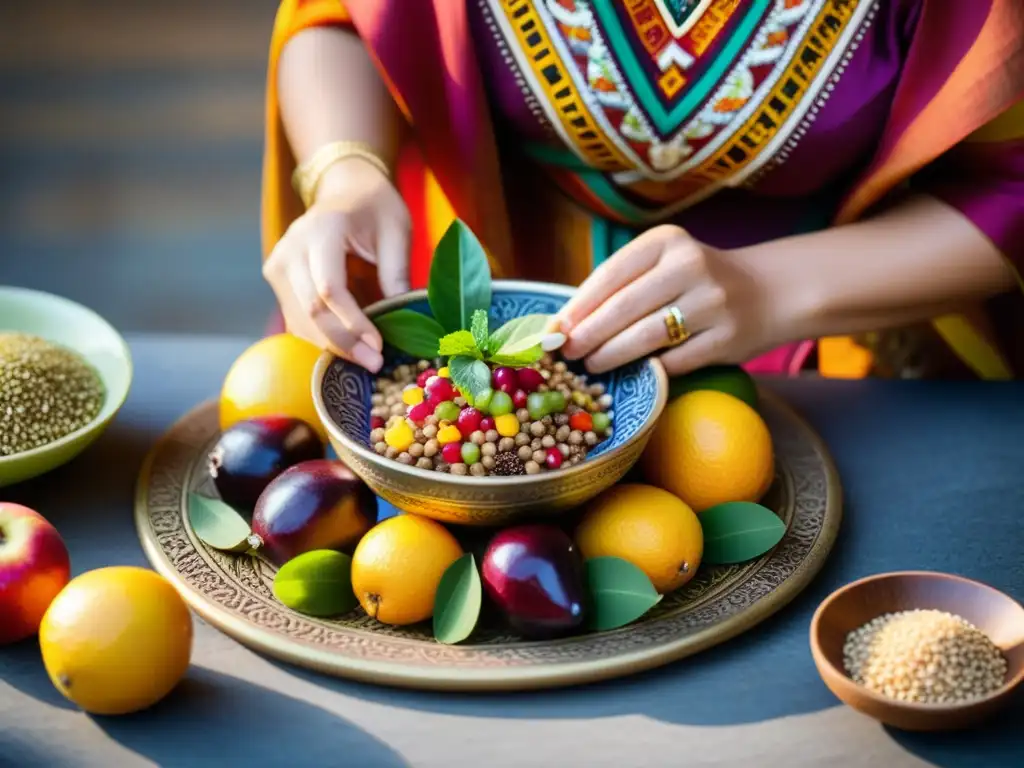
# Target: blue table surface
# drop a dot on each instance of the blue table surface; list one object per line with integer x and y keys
{"x": 933, "y": 477}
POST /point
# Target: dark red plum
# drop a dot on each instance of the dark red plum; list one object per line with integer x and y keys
{"x": 535, "y": 574}
{"x": 251, "y": 453}
{"x": 318, "y": 504}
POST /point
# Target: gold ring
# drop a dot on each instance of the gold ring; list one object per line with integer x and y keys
{"x": 676, "y": 325}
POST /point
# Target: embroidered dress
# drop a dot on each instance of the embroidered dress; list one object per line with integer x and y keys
{"x": 559, "y": 129}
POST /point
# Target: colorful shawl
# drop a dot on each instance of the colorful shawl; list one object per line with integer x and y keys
{"x": 961, "y": 96}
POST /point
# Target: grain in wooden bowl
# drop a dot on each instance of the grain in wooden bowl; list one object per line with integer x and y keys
{"x": 920, "y": 651}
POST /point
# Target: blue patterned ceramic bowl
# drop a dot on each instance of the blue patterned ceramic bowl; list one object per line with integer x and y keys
{"x": 342, "y": 390}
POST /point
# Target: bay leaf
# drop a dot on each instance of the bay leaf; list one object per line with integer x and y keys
{"x": 317, "y": 583}
{"x": 460, "y": 278}
{"x": 738, "y": 531}
{"x": 458, "y": 343}
{"x": 479, "y": 328}
{"x": 412, "y": 332}
{"x": 620, "y": 593}
{"x": 218, "y": 524}
{"x": 513, "y": 333}
{"x": 520, "y": 359}
{"x": 458, "y": 601}
{"x": 469, "y": 375}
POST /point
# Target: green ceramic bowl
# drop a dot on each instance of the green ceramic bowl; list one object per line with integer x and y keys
{"x": 83, "y": 331}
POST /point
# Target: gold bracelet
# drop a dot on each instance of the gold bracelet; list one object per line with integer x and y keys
{"x": 307, "y": 176}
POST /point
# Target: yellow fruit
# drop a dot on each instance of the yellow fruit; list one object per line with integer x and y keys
{"x": 400, "y": 436}
{"x": 507, "y": 425}
{"x": 449, "y": 434}
{"x": 708, "y": 448}
{"x": 273, "y": 377}
{"x": 116, "y": 640}
{"x": 397, "y": 566}
{"x": 412, "y": 395}
{"x": 647, "y": 526}
{"x": 444, "y": 373}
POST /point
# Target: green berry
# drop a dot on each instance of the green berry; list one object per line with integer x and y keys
{"x": 482, "y": 400}
{"x": 470, "y": 453}
{"x": 601, "y": 422}
{"x": 537, "y": 405}
{"x": 447, "y": 411}
{"x": 501, "y": 404}
{"x": 555, "y": 401}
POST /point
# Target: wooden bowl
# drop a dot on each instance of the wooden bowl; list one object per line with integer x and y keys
{"x": 994, "y": 613}
{"x": 342, "y": 390}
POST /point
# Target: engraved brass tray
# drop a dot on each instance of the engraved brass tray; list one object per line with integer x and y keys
{"x": 233, "y": 592}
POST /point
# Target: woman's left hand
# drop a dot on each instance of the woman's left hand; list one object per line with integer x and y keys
{"x": 619, "y": 313}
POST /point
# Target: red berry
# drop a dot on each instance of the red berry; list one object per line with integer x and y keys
{"x": 529, "y": 379}
{"x": 519, "y": 399}
{"x": 452, "y": 453}
{"x": 553, "y": 459}
{"x": 581, "y": 421}
{"x": 421, "y": 380}
{"x": 486, "y": 424}
{"x": 376, "y": 422}
{"x": 469, "y": 421}
{"x": 420, "y": 411}
{"x": 506, "y": 380}
{"x": 438, "y": 389}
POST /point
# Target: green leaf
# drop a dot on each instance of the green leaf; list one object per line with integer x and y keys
{"x": 479, "y": 327}
{"x": 317, "y": 583}
{"x": 469, "y": 375}
{"x": 458, "y": 601}
{"x": 620, "y": 593}
{"x": 738, "y": 531}
{"x": 459, "y": 343}
{"x": 517, "y": 329}
{"x": 412, "y": 332}
{"x": 218, "y": 524}
{"x": 460, "y": 278}
{"x": 520, "y": 359}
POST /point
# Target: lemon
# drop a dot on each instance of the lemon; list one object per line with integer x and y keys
{"x": 649, "y": 527}
{"x": 709, "y": 448}
{"x": 116, "y": 640}
{"x": 273, "y": 377}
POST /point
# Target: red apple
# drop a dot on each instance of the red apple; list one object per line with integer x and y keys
{"x": 34, "y": 568}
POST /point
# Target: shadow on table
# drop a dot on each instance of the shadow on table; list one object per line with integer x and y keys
{"x": 21, "y": 667}
{"x": 999, "y": 741}
{"x": 215, "y": 719}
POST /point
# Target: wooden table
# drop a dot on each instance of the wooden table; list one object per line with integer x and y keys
{"x": 934, "y": 479}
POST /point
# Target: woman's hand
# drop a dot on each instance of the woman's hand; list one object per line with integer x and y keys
{"x": 357, "y": 211}
{"x": 618, "y": 314}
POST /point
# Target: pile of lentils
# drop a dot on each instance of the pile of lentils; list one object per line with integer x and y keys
{"x": 46, "y": 393}
{"x": 538, "y": 418}
{"x": 925, "y": 657}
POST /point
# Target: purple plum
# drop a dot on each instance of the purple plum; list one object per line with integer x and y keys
{"x": 535, "y": 575}
{"x": 319, "y": 504}
{"x": 252, "y": 453}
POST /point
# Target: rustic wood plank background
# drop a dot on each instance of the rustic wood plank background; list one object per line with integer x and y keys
{"x": 130, "y": 142}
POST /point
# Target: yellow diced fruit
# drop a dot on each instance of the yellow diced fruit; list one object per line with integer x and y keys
{"x": 444, "y": 372}
{"x": 400, "y": 436}
{"x": 449, "y": 434}
{"x": 412, "y": 396}
{"x": 507, "y": 425}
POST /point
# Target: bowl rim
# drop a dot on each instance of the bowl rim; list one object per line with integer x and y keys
{"x": 489, "y": 481}
{"x": 843, "y": 679}
{"x": 115, "y": 400}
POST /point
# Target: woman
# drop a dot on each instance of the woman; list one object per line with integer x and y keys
{"x": 835, "y": 184}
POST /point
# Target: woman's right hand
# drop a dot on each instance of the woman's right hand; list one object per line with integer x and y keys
{"x": 358, "y": 211}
